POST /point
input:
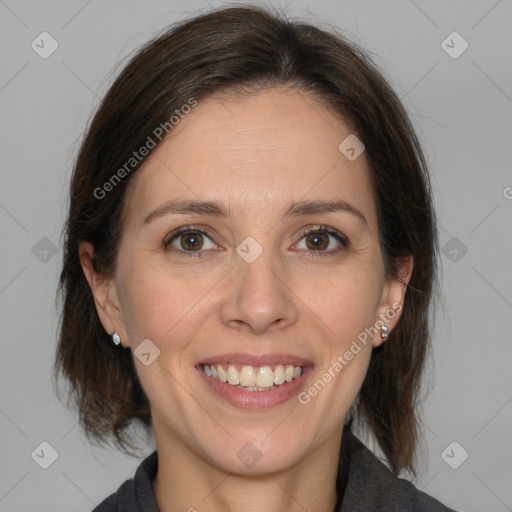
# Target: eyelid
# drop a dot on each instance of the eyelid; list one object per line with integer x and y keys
{"x": 185, "y": 229}
{"x": 340, "y": 237}
{"x": 166, "y": 242}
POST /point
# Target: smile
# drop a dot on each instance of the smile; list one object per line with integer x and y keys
{"x": 256, "y": 382}
{"x": 250, "y": 378}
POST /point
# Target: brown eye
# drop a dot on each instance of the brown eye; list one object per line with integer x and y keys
{"x": 317, "y": 241}
{"x": 189, "y": 241}
{"x": 322, "y": 240}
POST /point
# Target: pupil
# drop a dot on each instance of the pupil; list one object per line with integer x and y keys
{"x": 317, "y": 241}
{"x": 191, "y": 241}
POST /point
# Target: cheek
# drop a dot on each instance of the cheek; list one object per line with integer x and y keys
{"x": 345, "y": 302}
{"x": 165, "y": 307}
{"x": 151, "y": 306}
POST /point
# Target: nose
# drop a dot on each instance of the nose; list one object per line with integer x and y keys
{"x": 259, "y": 298}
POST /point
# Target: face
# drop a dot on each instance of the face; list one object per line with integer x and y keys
{"x": 251, "y": 241}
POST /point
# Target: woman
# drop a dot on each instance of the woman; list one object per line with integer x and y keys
{"x": 249, "y": 264}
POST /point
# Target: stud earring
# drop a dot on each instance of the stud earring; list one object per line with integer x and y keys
{"x": 115, "y": 338}
{"x": 384, "y": 331}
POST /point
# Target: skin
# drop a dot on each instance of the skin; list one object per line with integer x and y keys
{"x": 254, "y": 154}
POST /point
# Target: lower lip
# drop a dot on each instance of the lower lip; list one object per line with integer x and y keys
{"x": 256, "y": 400}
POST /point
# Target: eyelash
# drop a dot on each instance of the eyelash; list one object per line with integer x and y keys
{"x": 342, "y": 239}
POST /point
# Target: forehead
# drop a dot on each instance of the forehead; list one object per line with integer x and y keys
{"x": 257, "y": 151}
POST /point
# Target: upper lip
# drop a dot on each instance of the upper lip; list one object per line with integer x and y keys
{"x": 256, "y": 360}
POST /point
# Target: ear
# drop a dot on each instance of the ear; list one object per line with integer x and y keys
{"x": 392, "y": 299}
{"x": 105, "y": 294}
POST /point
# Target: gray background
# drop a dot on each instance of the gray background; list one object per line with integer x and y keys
{"x": 462, "y": 108}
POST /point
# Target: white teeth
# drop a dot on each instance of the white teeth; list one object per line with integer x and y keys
{"x": 265, "y": 377}
{"x": 233, "y": 377}
{"x": 247, "y": 376}
{"x": 222, "y": 374}
{"x": 279, "y": 375}
{"x": 251, "y": 379}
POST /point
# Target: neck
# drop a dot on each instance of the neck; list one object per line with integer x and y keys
{"x": 185, "y": 481}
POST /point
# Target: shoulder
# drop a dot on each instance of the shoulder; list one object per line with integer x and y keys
{"x": 135, "y": 494}
{"x": 372, "y": 486}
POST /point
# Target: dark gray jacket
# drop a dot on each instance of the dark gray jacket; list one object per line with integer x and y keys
{"x": 364, "y": 483}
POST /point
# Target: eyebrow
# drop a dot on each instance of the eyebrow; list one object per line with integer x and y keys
{"x": 218, "y": 209}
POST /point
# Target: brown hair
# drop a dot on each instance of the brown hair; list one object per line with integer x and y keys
{"x": 247, "y": 49}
